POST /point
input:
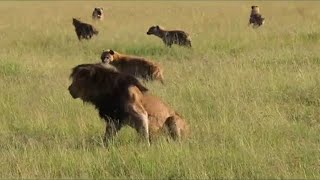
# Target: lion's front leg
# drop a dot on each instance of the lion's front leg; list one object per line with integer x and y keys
{"x": 111, "y": 130}
{"x": 139, "y": 118}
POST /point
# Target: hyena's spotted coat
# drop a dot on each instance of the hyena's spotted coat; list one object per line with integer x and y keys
{"x": 255, "y": 17}
{"x": 170, "y": 37}
{"x": 84, "y": 30}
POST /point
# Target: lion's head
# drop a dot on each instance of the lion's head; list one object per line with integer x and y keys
{"x": 91, "y": 81}
{"x": 87, "y": 80}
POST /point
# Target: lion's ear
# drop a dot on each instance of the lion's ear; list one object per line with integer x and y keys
{"x": 111, "y": 52}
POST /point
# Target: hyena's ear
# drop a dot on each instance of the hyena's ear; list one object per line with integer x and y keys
{"x": 101, "y": 8}
{"x": 111, "y": 52}
{"x": 157, "y": 27}
{"x": 252, "y": 7}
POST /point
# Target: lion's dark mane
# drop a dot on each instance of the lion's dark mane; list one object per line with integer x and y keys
{"x": 110, "y": 104}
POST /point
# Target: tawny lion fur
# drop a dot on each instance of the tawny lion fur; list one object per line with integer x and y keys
{"x": 122, "y": 100}
{"x": 162, "y": 116}
{"x": 136, "y": 66}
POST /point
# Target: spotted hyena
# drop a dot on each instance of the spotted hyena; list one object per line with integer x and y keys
{"x": 97, "y": 13}
{"x": 255, "y": 17}
{"x": 170, "y": 37}
{"x": 133, "y": 65}
{"x": 84, "y": 30}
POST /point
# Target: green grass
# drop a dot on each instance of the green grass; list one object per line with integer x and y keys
{"x": 251, "y": 96}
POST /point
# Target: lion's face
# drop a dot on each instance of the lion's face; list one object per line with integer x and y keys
{"x": 153, "y": 30}
{"x": 107, "y": 56}
{"x": 85, "y": 82}
{"x": 90, "y": 81}
{"x": 80, "y": 82}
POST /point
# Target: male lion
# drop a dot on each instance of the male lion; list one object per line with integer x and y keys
{"x": 121, "y": 100}
{"x": 136, "y": 66}
{"x": 84, "y": 30}
{"x": 116, "y": 96}
{"x": 170, "y": 37}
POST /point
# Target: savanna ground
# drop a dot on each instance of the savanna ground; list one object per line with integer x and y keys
{"x": 251, "y": 96}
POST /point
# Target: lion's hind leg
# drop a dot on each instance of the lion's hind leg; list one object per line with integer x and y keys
{"x": 174, "y": 130}
{"x": 178, "y": 127}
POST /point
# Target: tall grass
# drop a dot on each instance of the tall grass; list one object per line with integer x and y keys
{"x": 251, "y": 96}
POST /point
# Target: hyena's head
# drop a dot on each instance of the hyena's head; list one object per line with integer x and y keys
{"x": 255, "y": 10}
{"x": 154, "y": 30}
{"x": 108, "y": 56}
{"x": 97, "y": 13}
{"x": 75, "y": 21}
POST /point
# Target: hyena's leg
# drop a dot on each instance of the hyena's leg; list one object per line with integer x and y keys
{"x": 255, "y": 25}
{"x": 251, "y": 21}
{"x": 78, "y": 35}
{"x": 169, "y": 45}
{"x": 167, "y": 42}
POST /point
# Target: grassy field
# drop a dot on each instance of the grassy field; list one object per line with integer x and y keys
{"x": 251, "y": 96}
